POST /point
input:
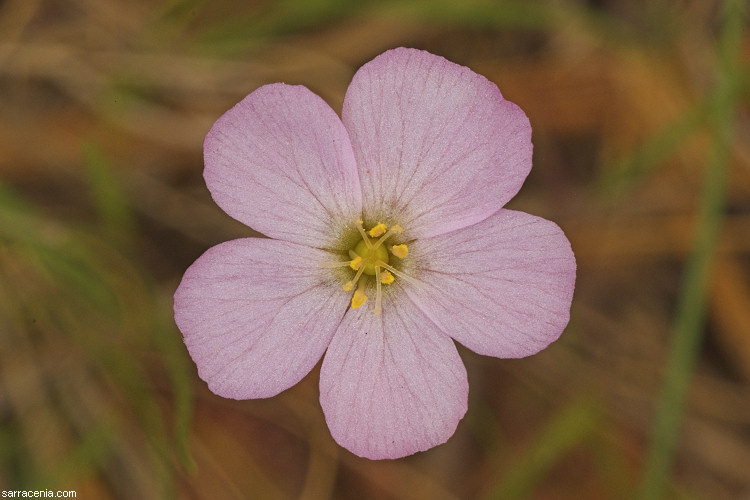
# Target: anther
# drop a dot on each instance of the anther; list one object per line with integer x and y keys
{"x": 378, "y": 230}
{"x": 356, "y": 263}
{"x": 359, "y": 296}
{"x": 399, "y": 251}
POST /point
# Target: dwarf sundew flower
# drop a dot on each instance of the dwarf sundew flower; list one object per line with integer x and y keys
{"x": 387, "y": 242}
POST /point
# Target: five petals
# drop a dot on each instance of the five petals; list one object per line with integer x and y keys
{"x": 423, "y": 141}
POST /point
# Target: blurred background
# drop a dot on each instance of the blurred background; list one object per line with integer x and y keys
{"x": 640, "y": 122}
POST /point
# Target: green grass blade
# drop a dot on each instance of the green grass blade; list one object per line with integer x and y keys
{"x": 569, "y": 428}
{"x": 690, "y": 312}
{"x": 109, "y": 200}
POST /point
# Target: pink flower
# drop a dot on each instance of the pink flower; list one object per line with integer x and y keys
{"x": 387, "y": 242}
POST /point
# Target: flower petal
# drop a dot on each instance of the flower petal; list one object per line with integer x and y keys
{"x": 281, "y": 162}
{"x": 257, "y": 314}
{"x": 392, "y": 384}
{"x": 438, "y": 147}
{"x": 502, "y": 287}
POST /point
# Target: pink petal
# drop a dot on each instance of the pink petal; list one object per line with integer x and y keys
{"x": 281, "y": 162}
{"x": 257, "y": 314}
{"x": 437, "y": 146}
{"x": 502, "y": 287}
{"x": 391, "y": 384}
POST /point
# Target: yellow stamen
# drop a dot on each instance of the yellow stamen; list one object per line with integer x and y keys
{"x": 378, "y": 230}
{"x": 378, "y": 296}
{"x": 359, "y": 296}
{"x": 399, "y": 274}
{"x": 394, "y": 230}
{"x": 363, "y": 234}
{"x": 349, "y": 284}
{"x": 399, "y": 251}
{"x": 333, "y": 265}
{"x": 356, "y": 263}
{"x": 386, "y": 278}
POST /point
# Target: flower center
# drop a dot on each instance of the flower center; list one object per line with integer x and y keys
{"x": 371, "y": 255}
{"x": 370, "y": 258}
